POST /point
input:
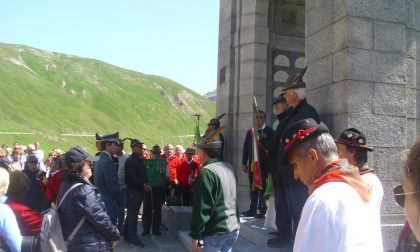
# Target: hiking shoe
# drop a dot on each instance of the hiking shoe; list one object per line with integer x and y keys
{"x": 259, "y": 216}
{"x": 136, "y": 241}
{"x": 249, "y": 213}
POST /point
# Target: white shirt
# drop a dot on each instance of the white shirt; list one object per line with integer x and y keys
{"x": 121, "y": 170}
{"x": 335, "y": 218}
{"x": 39, "y": 154}
{"x": 376, "y": 186}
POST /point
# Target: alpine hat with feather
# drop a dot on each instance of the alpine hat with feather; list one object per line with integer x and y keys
{"x": 211, "y": 140}
{"x": 295, "y": 82}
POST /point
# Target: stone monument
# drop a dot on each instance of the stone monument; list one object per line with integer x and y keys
{"x": 363, "y": 61}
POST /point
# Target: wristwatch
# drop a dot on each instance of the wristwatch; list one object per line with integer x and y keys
{"x": 200, "y": 243}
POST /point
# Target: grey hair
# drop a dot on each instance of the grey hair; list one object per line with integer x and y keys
{"x": 300, "y": 92}
{"x": 4, "y": 181}
{"x": 323, "y": 144}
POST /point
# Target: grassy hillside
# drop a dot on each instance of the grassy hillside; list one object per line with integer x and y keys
{"x": 52, "y": 94}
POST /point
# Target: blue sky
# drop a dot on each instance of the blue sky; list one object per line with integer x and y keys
{"x": 176, "y": 39}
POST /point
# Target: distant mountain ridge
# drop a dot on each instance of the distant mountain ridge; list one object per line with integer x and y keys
{"x": 211, "y": 95}
{"x": 52, "y": 94}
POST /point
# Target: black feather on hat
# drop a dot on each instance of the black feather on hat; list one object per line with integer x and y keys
{"x": 98, "y": 137}
{"x": 216, "y": 121}
{"x": 296, "y": 81}
{"x": 210, "y": 140}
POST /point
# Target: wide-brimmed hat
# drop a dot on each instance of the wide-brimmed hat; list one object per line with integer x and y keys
{"x": 354, "y": 138}
{"x": 300, "y": 131}
{"x": 295, "y": 82}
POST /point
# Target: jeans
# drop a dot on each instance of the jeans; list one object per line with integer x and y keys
{"x": 220, "y": 242}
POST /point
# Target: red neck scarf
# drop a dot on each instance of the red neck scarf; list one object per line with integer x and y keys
{"x": 341, "y": 171}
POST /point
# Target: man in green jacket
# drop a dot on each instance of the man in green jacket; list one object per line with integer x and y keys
{"x": 215, "y": 216}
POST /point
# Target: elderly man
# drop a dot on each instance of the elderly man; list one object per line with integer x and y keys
{"x": 337, "y": 215}
{"x": 173, "y": 162}
{"x": 215, "y": 216}
{"x": 282, "y": 216}
{"x": 106, "y": 176}
{"x": 352, "y": 146}
{"x": 296, "y": 192}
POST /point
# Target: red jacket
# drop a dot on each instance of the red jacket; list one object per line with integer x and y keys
{"x": 51, "y": 188}
{"x": 173, "y": 166}
{"x": 29, "y": 221}
{"x": 185, "y": 171}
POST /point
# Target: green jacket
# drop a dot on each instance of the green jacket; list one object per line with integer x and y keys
{"x": 214, "y": 204}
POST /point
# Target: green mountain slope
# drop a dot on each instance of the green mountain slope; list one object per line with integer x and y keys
{"x": 52, "y": 94}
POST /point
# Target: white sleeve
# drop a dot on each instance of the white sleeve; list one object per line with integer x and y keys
{"x": 316, "y": 228}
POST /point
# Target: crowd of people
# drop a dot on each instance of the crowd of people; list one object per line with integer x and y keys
{"x": 109, "y": 189}
{"x": 316, "y": 191}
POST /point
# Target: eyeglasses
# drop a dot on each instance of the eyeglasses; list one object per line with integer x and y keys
{"x": 90, "y": 164}
{"x": 399, "y": 195}
{"x": 32, "y": 162}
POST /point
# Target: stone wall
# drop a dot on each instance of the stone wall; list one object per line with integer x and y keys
{"x": 243, "y": 40}
{"x": 362, "y": 56}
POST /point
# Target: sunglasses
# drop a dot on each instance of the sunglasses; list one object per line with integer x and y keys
{"x": 399, "y": 195}
{"x": 90, "y": 164}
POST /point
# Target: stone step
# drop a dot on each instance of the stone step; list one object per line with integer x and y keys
{"x": 242, "y": 245}
{"x": 154, "y": 243}
{"x": 176, "y": 218}
{"x": 254, "y": 231}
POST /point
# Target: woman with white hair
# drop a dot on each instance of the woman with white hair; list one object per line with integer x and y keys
{"x": 10, "y": 238}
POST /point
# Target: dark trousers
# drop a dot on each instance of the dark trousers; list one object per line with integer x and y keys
{"x": 296, "y": 196}
{"x": 187, "y": 194}
{"x": 257, "y": 196}
{"x": 121, "y": 213}
{"x": 283, "y": 218}
{"x": 152, "y": 209}
{"x": 174, "y": 190}
{"x": 134, "y": 198}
